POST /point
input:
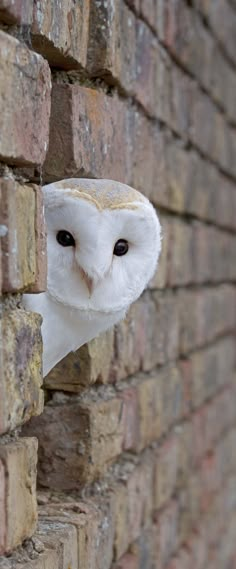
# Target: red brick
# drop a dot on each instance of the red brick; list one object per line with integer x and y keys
{"x": 204, "y": 116}
{"x": 18, "y": 492}
{"x": 112, "y": 43}
{"x": 210, "y": 369}
{"x": 147, "y": 158}
{"x": 16, "y": 11}
{"x": 148, "y": 10}
{"x": 198, "y": 186}
{"x": 87, "y": 136}
{"x": 60, "y": 32}
{"x": 172, "y": 396}
{"x": 181, "y": 261}
{"x": 144, "y": 548}
{"x": 146, "y": 67}
{"x": 180, "y": 31}
{"x": 181, "y": 561}
{"x": 128, "y": 561}
{"x": 133, "y": 503}
{"x": 200, "y": 442}
{"x": 221, "y": 17}
{"x": 205, "y": 314}
{"x": 166, "y": 533}
{"x": 27, "y": 74}
{"x": 163, "y": 87}
{"x": 166, "y": 471}
{"x": 182, "y": 90}
{"x": 198, "y": 548}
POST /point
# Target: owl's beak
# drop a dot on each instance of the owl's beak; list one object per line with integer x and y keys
{"x": 88, "y": 281}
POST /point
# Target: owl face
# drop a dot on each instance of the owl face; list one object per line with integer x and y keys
{"x": 103, "y": 244}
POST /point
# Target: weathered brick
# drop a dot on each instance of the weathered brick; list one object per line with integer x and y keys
{"x": 222, "y": 19}
{"x": 47, "y": 559}
{"x": 198, "y": 548}
{"x": 94, "y": 428}
{"x": 130, "y": 417}
{"x": 209, "y": 131}
{"x": 61, "y": 537}
{"x": 181, "y": 561}
{"x": 21, "y": 382}
{"x": 166, "y": 471}
{"x": 18, "y": 245}
{"x": 147, "y": 158}
{"x": 182, "y": 89}
{"x": 143, "y": 548}
{"x": 205, "y": 314}
{"x": 176, "y": 174}
{"x": 204, "y": 118}
{"x": 24, "y": 243}
{"x": 148, "y": 336}
{"x": 27, "y": 74}
{"x": 179, "y": 33}
{"x": 108, "y": 55}
{"x": 133, "y": 504}
{"x": 128, "y": 561}
{"x": 16, "y": 11}
{"x": 88, "y": 365}
{"x": 173, "y": 403}
{"x": 211, "y": 369}
{"x": 40, "y": 284}
{"x": 166, "y": 533}
{"x": 181, "y": 260}
{"x": 91, "y": 519}
{"x": 163, "y": 86}
{"x": 91, "y": 142}
{"x": 60, "y": 32}
{"x": 18, "y": 492}
{"x": 146, "y": 67}
{"x": 149, "y": 411}
{"x": 148, "y": 11}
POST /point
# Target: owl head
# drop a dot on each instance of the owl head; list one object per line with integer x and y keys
{"x": 104, "y": 240}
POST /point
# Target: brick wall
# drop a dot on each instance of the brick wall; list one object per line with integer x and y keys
{"x": 137, "y": 432}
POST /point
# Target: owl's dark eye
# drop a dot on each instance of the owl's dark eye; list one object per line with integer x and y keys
{"x": 65, "y": 238}
{"x": 121, "y": 248}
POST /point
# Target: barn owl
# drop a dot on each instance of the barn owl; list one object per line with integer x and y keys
{"x": 103, "y": 245}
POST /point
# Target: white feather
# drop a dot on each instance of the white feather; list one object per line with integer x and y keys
{"x": 72, "y": 314}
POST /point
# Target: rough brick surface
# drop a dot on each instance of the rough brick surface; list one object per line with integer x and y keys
{"x": 89, "y": 364}
{"x": 60, "y": 32}
{"x": 21, "y": 394}
{"x": 28, "y": 74}
{"x": 18, "y": 492}
{"x": 40, "y": 282}
{"x": 23, "y": 245}
{"x": 88, "y": 142}
{"x": 16, "y": 11}
{"x": 107, "y": 55}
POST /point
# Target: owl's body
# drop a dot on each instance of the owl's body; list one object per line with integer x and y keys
{"x": 103, "y": 241}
